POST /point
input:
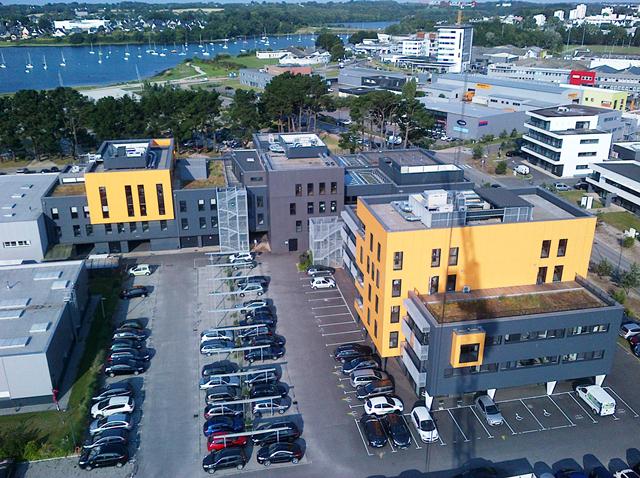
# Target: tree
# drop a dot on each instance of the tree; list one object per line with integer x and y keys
{"x": 477, "y": 151}
{"x": 630, "y": 279}
{"x": 360, "y": 35}
{"x": 337, "y": 52}
{"x": 327, "y": 40}
{"x": 348, "y": 140}
{"x": 413, "y": 118}
{"x": 619, "y": 296}
{"x": 244, "y": 113}
{"x": 501, "y": 167}
{"x": 604, "y": 268}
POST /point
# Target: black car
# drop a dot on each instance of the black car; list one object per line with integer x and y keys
{"x": 112, "y": 454}
{"x": 133, "y": 354}
{"x": 350, "y": 351}
{"x": 7, "y": 466}
{"x": 119, "y": 389}
{"x": 373, "y": 431}
{"x": 232, "y": 457}
{"x": 510, "y": 154}
{"x": 600, "y": 472}
{"x": 134, "y": 292}
{"x": 55, "y": 169}
{"x": 268, "y": 390}
{"x": 265, "y": 309}
{"x": 262, "y": 280}
{"x": 359, "y": 363}
{"x": 129, "y": 334}
{"x": 219, "y": 368}
{"x": 319, "y": 268}
{"x": 131, "y": 324}
{"x": 290, "y": 433}
{"x": 261, "y": 318}
{"x": 267, "y": 353}
{"x": 261, "y": 376}
{"x": 278, "y": 340}
{"x": 223, "y": 393}
{"x": 259, "y": 329}
{"x": 120, "y": 344}
{"x": 107, "y": 437}
{"x": 397, "y": 430}
{"x": 124, "y": 367}
{"x": 375, "y": 389}
{"x": 279, "y": 453}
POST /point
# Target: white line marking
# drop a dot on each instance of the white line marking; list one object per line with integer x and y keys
{"x": 328, "y": 306}
{"x": 356, "y": 406}
{"x": 347, "y": 332}
{"x": 583, "y": 409}
{"x": 332, "y": 315}
{"x": 336, "y": 323}
{"x": 345, "y": 301}
{"x": 507, "y": 423}
{"x": 418, "y": 447}
{"x": 562, "y": 411}
{"x": 635, "y": 414}
{"x": 342, "y": 343}
{"x": 362, "y": 436}
{"x": 324, "y": 298}
{"x": 322, "y": 292}
{"x": 534, "y": 417}
{"x": 393, "y": 450}
{"x": 458, "y": 426}
{"x": 478, "y": 418}
{"x": 624, "y": 349}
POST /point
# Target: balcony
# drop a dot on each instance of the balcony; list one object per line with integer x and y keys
{"x": 540, "y": 152}
{"x": 352, "y": 222}
{"x": 415, "y": 339}
{"x": 419, "y": 377}
{"x": 543, "y": 140}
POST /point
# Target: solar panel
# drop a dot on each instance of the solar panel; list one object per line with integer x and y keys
{"x": 41, "y": 327}
{"x": 14, "y": 342}
{"x": 11, "y": 314}
{"x": 47, "y": 275}
{"x": 19, "y": 303}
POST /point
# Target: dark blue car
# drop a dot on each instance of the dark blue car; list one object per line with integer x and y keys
{"x": 223, "y": 424}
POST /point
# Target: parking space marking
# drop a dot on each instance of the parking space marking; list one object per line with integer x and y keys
{"x": 342, "y": 343}
{"x": 338, "y": 333}
{"x": 326, "y": 299}
{"x": 561, "y": 411}
{"x": 366, "y": 447}
{"x": 418, "y": 447}
{"x": 336, "y": 323}
{"x": 507, "y": 424}
{"x": 393, "y": 450}
{"x": 328, "y": 306}
{"x": 345, "y": 302}
{"x": 322, "y": 292}
{"x": 458, "y": 426}
{"x": 331, "y": 315}
{"x": 583, "y": 409}
{"x": 635, "y": 414}
{"x": 489, "y": 435}
{"x": 534, "y": 417}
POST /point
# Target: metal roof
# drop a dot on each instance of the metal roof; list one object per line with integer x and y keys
{"x": 21, "y": 195}
{"x": 628, "y": 169}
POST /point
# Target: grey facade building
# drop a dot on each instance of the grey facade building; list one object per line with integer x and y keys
{"x": 617, "y": 182}
{"x": 42, "y": 309}
{"x": 628, "y": 150}
{"x": 255, "y": 78}
{"x": 370, "y": 79}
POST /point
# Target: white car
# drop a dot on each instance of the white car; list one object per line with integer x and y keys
{"x": 216, "y": 334}
{"x": 629, "y": 329}
{"x": 628, "y": 473}
{"x": 214, "y": 380}
{"x": 251, "y": 288}
{"x": 383, "y": 405}
{"x": 241, "y": 257}
{"x": 113, "y": 405}
{"x": 322, "y": 283}
{"x": 140, "y": 270}
{"x": 276, "y": 148}
{"x": 424, "y": 423}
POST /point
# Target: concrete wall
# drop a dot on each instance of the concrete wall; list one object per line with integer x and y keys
{"x": 33, "y": 231}
{"x": 18, "y": 367}
{"x": 476, "y": 128}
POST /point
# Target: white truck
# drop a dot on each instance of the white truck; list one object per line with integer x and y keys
{"x": 598, "y": 399}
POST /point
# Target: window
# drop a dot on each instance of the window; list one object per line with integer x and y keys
{"x": 10, "y": 244}
{"x": 393, "y": 340}
{"x": 368, "y": 316}
{"x": 451, "y": 283}
{"x": 85, "y": 209}
{"x": 546, "y": 248}
{"x": 133, "y": 227}
{"x": 309, "y": 208}
{"x": 183, "y": 206}
{"x": 103, "y": 202}
{"x": 292, "y": 209}
{"x": 334, "y": 206}
{"x": 142, "y": 199}
{"x": 260, "y": 218}
{"x": 255, "y": 179}
{"x": 586, "y": 154}
{"x": 214, "y": 222}
{"x": 88, "y": 229}
{"x": 395, "y": 314}
{"x": 376, "y": 304}
{"x": 322, "y": 207}
{"x": 309, "y": 189}
{"x": 213, "y": 204}
{"x": 542, "y": 275}
{"x": 435, "y": 257}
{"x": 375, "y": 329}
{"x": 259, "y": 201}
{"x": 368, "y": 264}
{"x": 469, "y": 353}
{"x": 298, "y": 226}
{"x": 129, "y": 198}
{"x": 163, "y": 225}
{"x": 200, "y": 205}
{"x": 453, "y": 256}
{"x": 298, "y": 189}
{"x": 160, "y": 196}
{"x": 589, "y": 141}
{"x": 108, "y": 229}
{"x": 396, "y": 287}
{"x": 377, "y": 278}
{"x": 203, "y": 222}
{"x": 145, "y": 226}
{"x": 54, "y": 213}
{"x": 322, "y": 188}
{"x": 120, "y": 227}
{"x": 557, "y": 273}
{"x": 74, "y": 212}
{"x": 370, "y": 242}
{"x": 334, "y": 188}
{"x": 369, "y": 293}
{"x": 184, "y": 224}
{"x": 397, "y": 260}
{"x": 361, "y": 254}
{"x": 562, "y": 247}
{"x": 76, "y": 230}
{"x": 587, "y": 329}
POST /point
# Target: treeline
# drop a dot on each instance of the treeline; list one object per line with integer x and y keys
{"x": 62, "y": 121}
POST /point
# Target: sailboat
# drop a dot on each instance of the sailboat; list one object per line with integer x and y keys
{"x": 162, "y": 51}
{"x": 100, "y": 55}
{"x": 299, "y": 38}
{"x": 63, "y": 63}
{"x": 175, "y": 48}
{"x": 245, "y": 40}
{"x": 201, "y": 46}
{"x": 44, "y": 62}
{"x": 126, "y": 53}
{"x": 139, "y": 53}
{"x": 149, "y": 50}
{"x": 154, "y": 52}
{"x": 206, "y": 51}
{"x": 3, "y": 64}
{"x": 183, "y": 52}
{"x": 225, "y": 46}
{"x": 29, "y": 65}
{"x": 91, "y": 51}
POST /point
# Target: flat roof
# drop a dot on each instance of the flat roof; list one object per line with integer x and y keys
{"x": 463, "y": 108}
{"x": 512, "y": 301}
{"x": 629, "y": 169}
{"x": 507, "y": 83}
{"x": 247, "y": 159}
{"x": 360, "y": 177}
{"x": 21, "y": 195}
{"x": 374, "y": 72}
{"x": 279, "y": 161}
{"x": 32, "y": 298}
{"x": 570, "y": 110}
{"x": 141, "y": 153}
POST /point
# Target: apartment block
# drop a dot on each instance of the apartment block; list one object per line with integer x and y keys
{"x": 618, "y": 182}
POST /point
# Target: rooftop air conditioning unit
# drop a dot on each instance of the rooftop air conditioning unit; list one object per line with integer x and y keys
{"x": 563, "y": 108}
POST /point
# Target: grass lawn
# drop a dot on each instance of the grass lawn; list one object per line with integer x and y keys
{"x": 622, "y": 220}
{"x": 21, "y": 163}
{"x": 575, "y": 197}
{"x": 32, "y": 436}
{"x": 183, "y": 70}
{"x": 212, "y": 68}
{"x": 624, "y": 50}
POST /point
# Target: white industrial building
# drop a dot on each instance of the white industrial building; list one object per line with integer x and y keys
{"x": 618, "y": 182}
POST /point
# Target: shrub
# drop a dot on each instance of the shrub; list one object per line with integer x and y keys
{"x": 619, "y": 296}
{"x": 501, "y": 167}
{"x": 628, "y": 242}
{"x": 604, "y": 268}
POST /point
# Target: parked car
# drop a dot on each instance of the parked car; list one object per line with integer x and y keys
{"x": 113, "y": 405}
{"x": 569, "y": 473}
{"x": 322, "y": 283}
{"x": 233, "y": 457}
{"x": 119, "y": 389}
{"x": 582, "y": 184}
{"x": 635, "y": 350}
{"x": 279, "y": 453}
{"x": 258, "y": 311}
{"x": 262, "y": 280}
{"x": 134, "y": 292}
{"x": 397, "y": 429}
{"x": 489, "y": 410}
{"x": 522, "y": 169}
{"x": 267, "y": 320}
{"x": 248, "y": 305}
{"x": 216, "y": 410}
{"x": 277, "y": 340}
{"x": 213, "y": 381}
{"x": 375, "y": 388}
{"x": 218, "y": 368}
{"x": 125, "y": 344}
{"x": 626, "y": 473}
{"x": 510, "y": 154}
{"x": 360, "y": 363}
{"x": 259, "y": 329}
{"x": 131, "y": 324}
{"x": 245, "y": 265}
{"x": 277, "y": 405}
{"x": 276, "y": 148}
{"x": 290, "y": 433}
{"x": 600, "y": 472}
{"x": 140, "y": 270}
{"x": 629, "y": 329}
{"x": 7, "y": 465}
{"x": 272, "y": 352}
{"x": 112, "y": 454}
{"x": 211, "y": 347}
{"x": 373, "y": 431}
{"x": 383, "y": 405}
{"x": 561, "y": 187}
{"x": 350, "y": 351}
{"x": 129, "y": 334}
{"x": 216, "y": 334}
{"x": 119, "y": 421}
{"x": 241, "y": 257}
{"x": 223, "y": 393}
{"x": 124, "y": 367}
{"x": 222, "y": 423}
{"x": 316, "y": 268}
{"x": 142, "y": 355}
{"x": 366, "y": 375}
{"x": 268, "y": 390}
{"x": 219, "y": 440}
{"x": 424, "y": 423}
{"x": 106, "y": 437}
{"x": 251, "y": 289}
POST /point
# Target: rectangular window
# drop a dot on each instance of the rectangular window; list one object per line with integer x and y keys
{"x": 542, "y": 275}
{"x": 203, "y": 222}
{"x": 309, "y": 208}
{"x": 396, "y": 287}
{"x": 562, "y": 247}
{"x": 292, "y": 209}
{"x": 259, "y": 201}
{"x": 85, "y": 209}
{"x": 184, "y": 224}
{"x": 74, "y": 212}
{"x": 76, "y": 230}
{"x": 160, "y": 196}
{"x": 120, "y": 228}
{"x": 108, "y": 229}
{"x": 397, "y": 260}
{"x": 298, "y": 189}
{"x": 369, "y": 293}
{"x": 25, "y": 243}
{"x": 145, "y": 226}
{"x": 375, "y": 329}
{"x": 183, "y": 206}
{"x": 334, "y": 188}
{"x": 142, "y": 199}
{"x": 557, "y": 273}
{"x": 322, "y": 188}
{"x": 334, "y": 206}
{"x": 133, "y": 227}
{"x": 451, "y": 283}
{"x": 361, "y": 254}
{"x": 298, "y": 226}
{"x": 376, "y": 304}
{"x": 200, "y": 205}
{"x": 453, "y": 256}
{"x": 214, "y": 222}
{"x": 435, "y": 257}
{"x": 54, "y": 213}
{"x": 469, "y": 353}
{"x": 129, "y": 198}
{"x": 370, "y": 242}
{"x": 260, "y": 218}
{"x": 88, "y": 229}
{"x": 546, "y": 248}
{"x": 309, "y": 189}
{"x": 103, "y": 202}
{"x": 322, "y": 207}
{"x": 393, "y": 340}
{"x": 213, "y": 205}
{"x": 395, "y": 314}
{"x": 368, "y": 316}
{"x": 163, "y": 225}
{"x": 377, "y": 278}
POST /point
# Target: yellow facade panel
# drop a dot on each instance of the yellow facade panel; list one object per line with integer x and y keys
{"x": 467, "y": 348}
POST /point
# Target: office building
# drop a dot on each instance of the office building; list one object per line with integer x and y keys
{"x": 540, "y": 20}
{"x": 567, "y": 140}
{"x": 626, "y": 150}
{"x": 559, "y": 14}
{"x": 42, "y": 310}
{"x": 357, "y": 81}
{"x": 528, "y": 73}
{"x": 617, "y": 182}
{"x": 454, "y": 47}
{"x": 481, "y": 288}
{"x": 625, "y": 78}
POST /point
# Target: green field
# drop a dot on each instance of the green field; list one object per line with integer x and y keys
{"x": 622, "y": 220}
{"x": 576, "y": 196}
{"x": 624, "y": 50}
{"x": 214, "y": 68}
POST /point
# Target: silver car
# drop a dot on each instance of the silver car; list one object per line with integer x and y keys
{"x": 489, "y": 410}
{"x": 119, "y": 421}
{"x": 277, "y": 405}
{"x": 216, "y": 334}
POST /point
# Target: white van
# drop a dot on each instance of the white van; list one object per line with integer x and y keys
{"x": 522, "y": 169}
{"x": 598, "y": 400}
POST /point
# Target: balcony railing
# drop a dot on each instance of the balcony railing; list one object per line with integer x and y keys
{"x": 543, "y": 138}
{"x": 537, "y": 149}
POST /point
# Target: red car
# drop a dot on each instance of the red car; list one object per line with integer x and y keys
{"x": 217, "y": 442}
{"x": 634, "y": 340}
